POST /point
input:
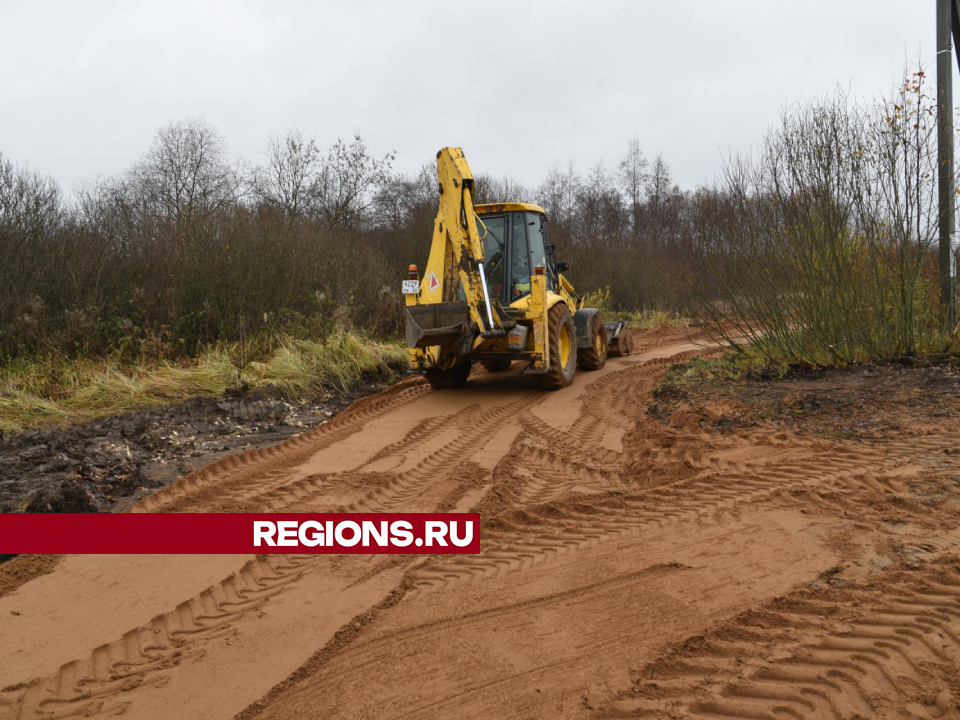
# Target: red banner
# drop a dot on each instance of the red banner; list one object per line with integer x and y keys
{"x": 236, "y": 533}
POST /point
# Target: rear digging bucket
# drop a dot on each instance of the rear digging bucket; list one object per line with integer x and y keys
{"x": 439, "y": 324}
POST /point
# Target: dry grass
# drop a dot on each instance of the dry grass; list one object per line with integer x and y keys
{"x": 649, "y": 319}
{"x": 306, "y": 367}
{"x": 642, "y": 320}
{"x": 729, "y": 367}
{"x": 61, "y": 391}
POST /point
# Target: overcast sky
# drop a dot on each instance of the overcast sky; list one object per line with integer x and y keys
{"x": 519, "y": 85}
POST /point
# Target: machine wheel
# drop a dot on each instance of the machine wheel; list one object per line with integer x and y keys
{"x": 454, "y": 377}
{"x": 496, "y": 364}
{"x": 595, "y": 356}
{"x": 562, "y": 336}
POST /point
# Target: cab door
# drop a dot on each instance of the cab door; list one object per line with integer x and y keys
{"x": 495, "y": 243}
{"x": 519, "y": 265}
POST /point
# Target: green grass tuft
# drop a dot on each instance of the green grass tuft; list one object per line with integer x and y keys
{"x": 648, "y": 320}
{"x": 304, "y": 367}
{"x": 730, "y": 367}
{"x": 642, "y": 320}
{"x": 57, "y": 390}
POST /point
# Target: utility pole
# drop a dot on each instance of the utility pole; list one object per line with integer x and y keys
{"x": 948, "y": 20}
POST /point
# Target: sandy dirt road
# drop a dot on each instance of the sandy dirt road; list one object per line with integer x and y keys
{"x": 630, "y": 568}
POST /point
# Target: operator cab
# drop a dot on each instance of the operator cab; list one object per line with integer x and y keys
{"x": 514, "y": 237}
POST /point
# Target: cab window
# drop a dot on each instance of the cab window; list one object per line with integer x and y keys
{"x": 538, "y": 248}
{"x": 519, "y": 257}
{"x": 540, "y": 256}
{"x": 494, "y": 260}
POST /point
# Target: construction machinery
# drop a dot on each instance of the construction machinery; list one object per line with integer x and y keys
{"x": 493, "y": 292}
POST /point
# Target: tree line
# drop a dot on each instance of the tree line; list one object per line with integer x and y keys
{"x": 817, "y": 247}
{"x": 191, "y": 246}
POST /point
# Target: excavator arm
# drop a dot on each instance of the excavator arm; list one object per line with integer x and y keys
{"x": 442, "y": 316}
{"x": 456, "y": 228}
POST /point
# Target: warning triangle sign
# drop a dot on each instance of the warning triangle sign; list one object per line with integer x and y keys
{"x": 434, "y": 283}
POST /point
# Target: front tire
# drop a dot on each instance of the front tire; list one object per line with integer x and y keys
{"x": 595, "y": 356}
{"x": 562, "y": 339}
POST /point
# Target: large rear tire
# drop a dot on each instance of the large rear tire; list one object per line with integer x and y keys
{"x": 595, "y": 356}
{"x": 455, "y": 377}
{"x": 562, "y": 338}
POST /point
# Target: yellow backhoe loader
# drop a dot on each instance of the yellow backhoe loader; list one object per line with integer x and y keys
{"x": 493, "y": 292}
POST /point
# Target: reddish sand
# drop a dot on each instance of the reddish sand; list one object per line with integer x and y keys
{"x": 630, "y": 568}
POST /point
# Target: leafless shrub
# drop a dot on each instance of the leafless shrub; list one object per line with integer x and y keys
{"x": 820, "y": 249}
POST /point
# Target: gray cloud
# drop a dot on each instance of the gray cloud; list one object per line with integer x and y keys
{"x": 519, "y": 85}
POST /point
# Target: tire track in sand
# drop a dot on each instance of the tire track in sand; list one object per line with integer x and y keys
{"x": 543, "y": 473}
{"x": 141, "y": 655}
{"x": 830, "y": 654}
{"x": 566, "y": 526}
{"x": 403, "y": 486}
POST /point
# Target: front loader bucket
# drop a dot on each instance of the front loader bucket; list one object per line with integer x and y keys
{"x": 440, "y": 324}
{"x": 618, "y": 338}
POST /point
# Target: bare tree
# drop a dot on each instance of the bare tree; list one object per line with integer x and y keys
{"x": 288, "y": 182}
{"x": 662, "y": 192}
{"x": 29, "y": 202}
{"x": 187, "y": 172}
{"x": 559, "y": 193}
{"x": 30, "y": 217}
{"x": 633, "y": 176}
{"x": 401, "y": 198}
{"x": 599, "y": 207}
{"x": 491, "y": 189}
{"x": 347, "y": 181}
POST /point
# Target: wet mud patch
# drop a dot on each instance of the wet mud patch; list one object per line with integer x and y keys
{"x": 874, "y": 403}
{"x": 108, "y": 464}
